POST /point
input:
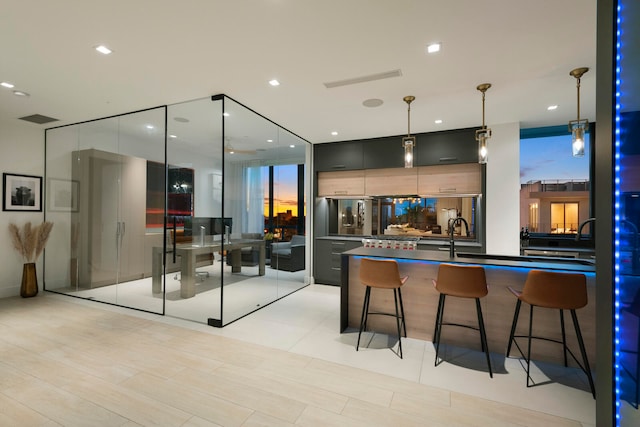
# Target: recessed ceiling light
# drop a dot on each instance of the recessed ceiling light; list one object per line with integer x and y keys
{"x": 225, "y": 114}
{"x": 172, "y": 136}
{"x": 552, "y": 107}
{"x": 433, "y": 48}
{"x": 269, "y": 140}
{"x": 373, "y": 102}
{"x": 7, "y": 85}
{"x": 20, "y": 93}
{"x": 274, "y": 82}
{"x": 149, "y": 126}
{"x": 292, "y": 146}
{"x": 103, "y": 49}
{"x": 438, "y": 121}
{"x": 181, "y": 119}
{"x": 334, "y": 133}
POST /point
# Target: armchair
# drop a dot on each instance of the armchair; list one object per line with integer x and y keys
{"x": 288, "y": 256}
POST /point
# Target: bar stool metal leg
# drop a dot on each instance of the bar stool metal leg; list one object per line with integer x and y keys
{"x": 404, "y": 325}
{"x": 395, "y": 300}
{"x": 439, "y": 325}
{"x": 483, "y": 336}
{"x": 513, "y": 326}
{"x": 365, "y": 310}
{"x": 564, "y": 337}
{"x": 587, "y": 368}
{"x": 529, "y": 345}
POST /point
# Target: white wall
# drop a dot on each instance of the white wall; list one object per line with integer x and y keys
{"x": 22, "y": 147}
{"x": 503, "y": 190}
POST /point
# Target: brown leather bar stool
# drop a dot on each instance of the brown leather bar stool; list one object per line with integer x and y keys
{"x": 382, "y": 274}
{"x": 556, "y": 290}
{"x": 463, "y": 281}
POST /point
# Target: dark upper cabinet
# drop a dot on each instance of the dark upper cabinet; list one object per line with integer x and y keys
{"x": 447, "y": 147}
{"x": 380, "y": 153}
{"x": 338, "y": 156}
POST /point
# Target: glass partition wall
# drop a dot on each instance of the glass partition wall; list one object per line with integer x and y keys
{"x": 187, "y": 210}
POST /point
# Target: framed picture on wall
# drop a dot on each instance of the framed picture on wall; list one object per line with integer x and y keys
{"x": 63, "y": 195}
{"x": 21, "y": 192}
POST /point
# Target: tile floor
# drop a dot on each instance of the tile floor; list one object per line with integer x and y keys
{"x": 65, "y": 361}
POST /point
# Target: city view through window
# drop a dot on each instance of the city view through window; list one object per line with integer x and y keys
{"x": 285, "y": 220}
{"x": 554, "y": 185}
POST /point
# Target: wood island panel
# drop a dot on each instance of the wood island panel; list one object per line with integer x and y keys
{"x": 421, "y": 301}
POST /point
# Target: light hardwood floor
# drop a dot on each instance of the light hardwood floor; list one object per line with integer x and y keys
{"x": 70, "y": 363}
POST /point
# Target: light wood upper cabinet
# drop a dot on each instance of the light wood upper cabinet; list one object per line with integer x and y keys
{"x": 450, "y": 179}
{"x": 424, "y": 181}
{"x": 391, "y": 181}
{"x": 342, "y": 183}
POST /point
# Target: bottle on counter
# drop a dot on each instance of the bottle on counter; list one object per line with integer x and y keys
{"x": 525, "y": 238}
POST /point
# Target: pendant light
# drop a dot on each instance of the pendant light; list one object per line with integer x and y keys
{"x": 578, "y": 127}
{"x": 483, "y": 133}
{"x": 408, "y": 142}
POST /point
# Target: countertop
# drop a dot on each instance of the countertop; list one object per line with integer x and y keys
{"x": 528, "y": 262}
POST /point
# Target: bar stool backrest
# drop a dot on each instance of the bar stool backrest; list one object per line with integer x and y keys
{"x": 466, "y": 281}
{"x": 380, "y": 273}
{"x": 552, "y": 289}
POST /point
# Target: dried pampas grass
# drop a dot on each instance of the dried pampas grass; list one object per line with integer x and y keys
{"x": 30, "y": 241}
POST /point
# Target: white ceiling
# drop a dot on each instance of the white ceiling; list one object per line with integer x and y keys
{"x": 167, "y": 52}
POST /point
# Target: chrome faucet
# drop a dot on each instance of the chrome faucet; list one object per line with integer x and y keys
{"x": 585, "y": 222}
{"x": 452, "y": 226}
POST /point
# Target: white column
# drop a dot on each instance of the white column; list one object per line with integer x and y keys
{"x": 503, "y": 190}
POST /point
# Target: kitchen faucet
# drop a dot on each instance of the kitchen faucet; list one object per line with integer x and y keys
{"x": 452, "y": 226}
{"x": 585, "y": 222}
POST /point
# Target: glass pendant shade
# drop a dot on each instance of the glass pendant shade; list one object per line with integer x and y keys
{"x": 408, "y": 142}
{"x": 578, "y": 129}
{"x": 481, "y": 136}
{"x": 484, "y": 133}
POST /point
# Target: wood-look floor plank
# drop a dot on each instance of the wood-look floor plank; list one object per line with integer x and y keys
{"x": 304, "y": 393}
{"x": 189, "y": 399}
{"x": 127, "y": 403}
{"x": 333, "y": 383}
{"x": 65, "y": 408}
{"x": 396, "y": 385}
{"x": 316, "y": 417}
{"x": 266, "y": 402}
{"x": 14, "y": 413}
{"x": 508, "y": 413}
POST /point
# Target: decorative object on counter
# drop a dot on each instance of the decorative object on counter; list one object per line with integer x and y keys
{"x": 524, "y": 237}
{"x": 555, "y": 290}
{"x": 382, "y": 274}
{"x": 578, "y": 127}
{"x": 462, "y": 281}
{"x": 30, "y": 242}
{"x": 484, "y": 132}
{"x": 410, "y": 244}
{"x": 408, "y": 142}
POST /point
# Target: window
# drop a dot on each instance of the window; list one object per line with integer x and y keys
{"x": 564, "y": 218}
{"x": 555, "y": 187}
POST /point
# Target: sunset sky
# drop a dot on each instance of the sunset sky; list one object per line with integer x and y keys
{"x": 285, "y": 190}
{"x": 550, "y": 158}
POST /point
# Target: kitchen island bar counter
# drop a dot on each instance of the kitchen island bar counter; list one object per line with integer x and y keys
{"x": 421, "y": 299}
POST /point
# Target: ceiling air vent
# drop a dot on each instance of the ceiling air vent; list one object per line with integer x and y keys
{"x": 38, "y": 118}
{"x": 363, "y": 79}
